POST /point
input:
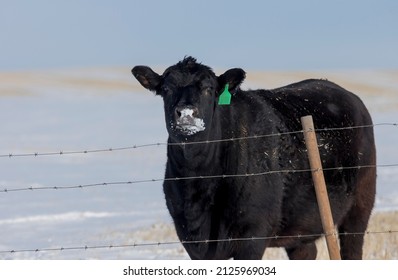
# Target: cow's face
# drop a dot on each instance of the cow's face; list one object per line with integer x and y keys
{"x": 190, "y": 93}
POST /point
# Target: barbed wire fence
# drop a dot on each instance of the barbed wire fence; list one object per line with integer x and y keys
{"x": 174, "y": 242}
{"x": 5, "y": 189}
{"x": 133, "y": 147}
{"x": 204, "y": 177}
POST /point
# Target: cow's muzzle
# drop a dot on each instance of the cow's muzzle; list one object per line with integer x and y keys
{"x": 188, "y": 121}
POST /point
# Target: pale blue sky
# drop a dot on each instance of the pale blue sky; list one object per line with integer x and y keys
{"x": 258, "y": 35}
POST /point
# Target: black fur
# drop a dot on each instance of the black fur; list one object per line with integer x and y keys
{"x": 282, "y": 204}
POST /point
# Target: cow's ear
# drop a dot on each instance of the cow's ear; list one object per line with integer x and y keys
{"x": 233, "y": 77}
{"x": 147, "y": 77}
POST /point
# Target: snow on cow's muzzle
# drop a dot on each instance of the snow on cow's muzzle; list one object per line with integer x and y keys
{"x": 187, "y": 121}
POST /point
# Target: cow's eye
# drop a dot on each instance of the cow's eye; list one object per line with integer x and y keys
{"x": 208, "y": 90}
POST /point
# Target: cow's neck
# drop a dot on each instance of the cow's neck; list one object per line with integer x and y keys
{"x": 195, "y": 157}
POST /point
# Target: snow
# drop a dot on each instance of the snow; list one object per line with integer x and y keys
{"x": 190, "y": 124}
{"x": 52, "y": 112}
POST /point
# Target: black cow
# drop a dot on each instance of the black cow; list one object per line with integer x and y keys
{"x": 236, "y": 208}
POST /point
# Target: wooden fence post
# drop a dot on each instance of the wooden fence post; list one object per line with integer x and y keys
{"x": 320, "y": 188}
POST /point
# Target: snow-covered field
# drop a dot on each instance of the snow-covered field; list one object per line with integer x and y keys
{"x": 90, "y": 109}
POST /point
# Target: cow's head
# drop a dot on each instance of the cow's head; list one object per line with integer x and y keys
{"x": 190, "y": 93}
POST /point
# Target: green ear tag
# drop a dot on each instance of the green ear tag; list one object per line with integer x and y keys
{"x": 225, "y": 97}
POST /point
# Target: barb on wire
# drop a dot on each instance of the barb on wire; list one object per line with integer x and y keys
{"x": 132, "y": 182}
{"x": 146, "y": 244}
{"x": 62, "y": 152}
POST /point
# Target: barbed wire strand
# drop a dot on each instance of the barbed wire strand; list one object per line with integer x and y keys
{"x": 147, "y": 244}
{"x": 84, "y": 186}
{"x": 88, "y": 151}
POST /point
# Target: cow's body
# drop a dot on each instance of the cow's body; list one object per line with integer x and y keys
{"x": 273, "y": 204}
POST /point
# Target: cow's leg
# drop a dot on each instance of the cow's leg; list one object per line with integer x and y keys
{"x": 305, "y": 251}
{"x": 354, "y": 224}
{"x": 352, "y": 232}
{"x": 251, "y": 250}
